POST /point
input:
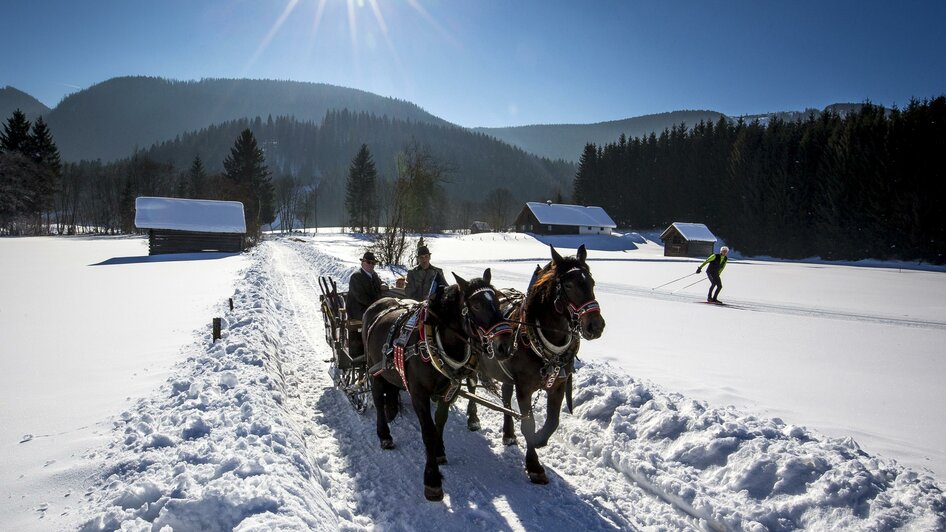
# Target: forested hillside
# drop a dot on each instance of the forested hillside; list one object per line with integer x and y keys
{"x": 320, "y": 155}
{"x": 111, "y": 119}
{"x": 864, "y": 185}
{"x": 565, "y": 141}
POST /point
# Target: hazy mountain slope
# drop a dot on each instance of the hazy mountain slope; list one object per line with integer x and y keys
{"x": 12, "y": 99}
{"x": 323, "y": 152}
{"x": 109, "y": 120}
{"x": 566, "y": 141}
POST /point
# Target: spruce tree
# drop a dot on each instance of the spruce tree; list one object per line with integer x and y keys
{"x": 16, "y": 134}
{"x": 361, "y": 191}
{"x": 43, "y": 151}
{"x": 196, "y": 178}
{"x": 246, "y": 170}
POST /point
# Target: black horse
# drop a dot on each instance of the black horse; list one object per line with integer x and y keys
{"x": 455, "y": 324}
{"x": 558, "y": 310}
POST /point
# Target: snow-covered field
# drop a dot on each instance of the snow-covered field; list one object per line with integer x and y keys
{"x": 814, "y": 402}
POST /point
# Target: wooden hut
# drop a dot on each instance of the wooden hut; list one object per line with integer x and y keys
{"x": 560, "y": 219}
{"x": 480, "y": 227}
{"x": 688, "y": 240}
{"x": 188, "y": 225}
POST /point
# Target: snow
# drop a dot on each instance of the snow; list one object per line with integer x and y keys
{"x": 812, "y": 403}
{"x": 207, "y": 216}
{"x": 562, "y": 214}
{"x": 693, "y": 232}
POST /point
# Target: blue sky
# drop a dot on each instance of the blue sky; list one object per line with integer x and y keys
{"x": 499, "y": 62}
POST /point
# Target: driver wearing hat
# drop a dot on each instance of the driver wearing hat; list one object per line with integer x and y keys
{"x": 364, "y": 287}
{"x": 421, "y": 277}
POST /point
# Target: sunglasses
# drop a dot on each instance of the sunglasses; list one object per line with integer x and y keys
{"x": 370, "y": 262}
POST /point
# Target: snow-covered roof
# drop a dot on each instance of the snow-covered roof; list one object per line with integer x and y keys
{"x": 562, "y": 214}
{"x": 206, "y": 216}
{"x": 692, "y": 232}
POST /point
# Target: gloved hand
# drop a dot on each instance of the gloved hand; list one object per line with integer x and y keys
{"x": 699, "y": 270}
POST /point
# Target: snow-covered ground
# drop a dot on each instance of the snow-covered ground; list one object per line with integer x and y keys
{"x": 813, "y": 402}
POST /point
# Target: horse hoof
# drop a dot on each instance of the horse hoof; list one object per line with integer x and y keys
{"x": 473, "y": 426}
{"x": 433, "y": 494}
{"x": 510, "y": 440}
{"x": 387, "y": 444}
{"x": 538, "y": 478}
{"x": 441, "y": 460}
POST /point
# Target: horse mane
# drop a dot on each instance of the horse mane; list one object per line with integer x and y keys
{"x": 446, "y": 302}
{"x": 543, "y": 289}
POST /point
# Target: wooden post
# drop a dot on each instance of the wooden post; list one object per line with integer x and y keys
{"x": 216, "y": 329}
{"x": 231, "y": 303}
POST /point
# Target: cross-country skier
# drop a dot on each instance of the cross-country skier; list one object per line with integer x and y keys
{"x": 717, "y": 263}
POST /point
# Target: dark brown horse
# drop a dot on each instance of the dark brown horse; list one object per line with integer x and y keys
{"x": 558, "y": 310}
{"x": 457, "y": 322}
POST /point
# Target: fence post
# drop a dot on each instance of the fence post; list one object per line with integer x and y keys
{"x": 231, "y": 303}
{"x": 216, "y": 329}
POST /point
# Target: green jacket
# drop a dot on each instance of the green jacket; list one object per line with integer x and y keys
{"x": 717, "y": 263}
{"x": 419, "y": 281}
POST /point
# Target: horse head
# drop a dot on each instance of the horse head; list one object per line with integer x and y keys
{"x": 482, "y": 316}
{"x": 574, "y": 292}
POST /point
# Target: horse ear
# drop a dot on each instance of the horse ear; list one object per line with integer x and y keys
{"x": 556, "y": 258}
{"x": 487, "y": 275}
{"x": 462, "y": 282}
{"x": 582, "y": 253}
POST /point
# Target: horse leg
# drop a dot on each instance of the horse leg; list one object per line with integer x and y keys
{"x": 440, "y": 420}
{"x": 472, "y": 419}
{"x": 534, "y": 469}
{"x": 552, "y": 416}
{"x": 391, "y": 401}
{"x": 433, "y": 480}
{"x": 378, "y": 386}
{"x": 509, "y": 429}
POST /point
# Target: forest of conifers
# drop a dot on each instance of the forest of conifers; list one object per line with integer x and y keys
{"x": 868, "y": 184}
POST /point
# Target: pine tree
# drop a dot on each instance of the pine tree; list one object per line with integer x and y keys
{"x": 246, "y": 170}
{"x": 361, "y": 191}
{"x": 43, "y": 151}
{"x": 16, "y": 134}
{"x": 196, "y": 177}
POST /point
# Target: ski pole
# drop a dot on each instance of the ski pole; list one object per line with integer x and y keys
{"x": 673, "y": 281}
{"x": 689, "y": 285}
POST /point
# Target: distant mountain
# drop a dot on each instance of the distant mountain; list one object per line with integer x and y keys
{"x": 566, "y": 141}
{"x": 12, "y": 99}
{"x": 109, "y": 120}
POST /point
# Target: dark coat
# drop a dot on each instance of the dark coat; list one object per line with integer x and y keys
{"x": 419, "y": 281}
{"x": 362, "y": 292}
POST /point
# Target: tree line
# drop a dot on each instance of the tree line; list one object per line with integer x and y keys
{"x": 41, "y": 195}
{"x": 865, "y": 184}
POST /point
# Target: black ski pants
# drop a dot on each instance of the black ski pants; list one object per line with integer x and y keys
{"x": 715, "y": 282}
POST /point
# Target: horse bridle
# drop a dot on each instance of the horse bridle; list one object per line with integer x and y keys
{"x": 484, "y": 335}
{"x": 575, "y": 312}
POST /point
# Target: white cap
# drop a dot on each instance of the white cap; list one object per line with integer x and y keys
{"x": 724, "y": 249}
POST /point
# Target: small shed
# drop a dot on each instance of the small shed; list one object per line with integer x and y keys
{"x": 562, "y": 219}
{"x": 688, "y": 240}
{"x": 480, "y": 227}
{"x": 178, "y": 225}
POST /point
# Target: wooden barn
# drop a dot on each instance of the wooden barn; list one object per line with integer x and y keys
{"x": 688, "y": 240}
{"x": 480, "y": 227}
{"x": 188, "y": 225}
{"x": 561, "y": 219}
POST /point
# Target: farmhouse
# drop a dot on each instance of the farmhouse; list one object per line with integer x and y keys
{"x": 688, "y": 240}
{"x": 187, "y": 225}
{"x": 560, "y": 219}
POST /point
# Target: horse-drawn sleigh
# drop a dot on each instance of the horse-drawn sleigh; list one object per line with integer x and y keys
{"x": 465, "y": 334}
